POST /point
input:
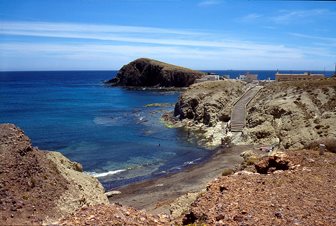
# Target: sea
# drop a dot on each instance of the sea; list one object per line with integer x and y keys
{"x": 115, "y": 133}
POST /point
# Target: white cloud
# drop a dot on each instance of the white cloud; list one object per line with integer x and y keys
{"x": 288, "y": 16}
{"x": 206, "y": 3}
{"x": 88, "y": 28}
{"x": 100, "y": 45}
{"x": 121, "y": 34}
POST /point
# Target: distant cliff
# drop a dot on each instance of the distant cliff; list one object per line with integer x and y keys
{"x": 153, "y": 73}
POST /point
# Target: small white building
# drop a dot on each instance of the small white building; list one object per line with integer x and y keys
{"x": 209, "y": 77}
{"x": 248, "y": 77}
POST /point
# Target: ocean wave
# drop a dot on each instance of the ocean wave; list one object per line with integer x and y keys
{"x": 104, "y": 174}
{"x": 191, "y": 162}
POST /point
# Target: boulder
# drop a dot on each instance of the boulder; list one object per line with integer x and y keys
{"x": 277, "y": 161}
{"x": 152, "y": 73}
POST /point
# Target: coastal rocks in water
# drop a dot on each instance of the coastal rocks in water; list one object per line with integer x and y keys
{"x": 153, "y": 73}
{"x": 292, "y": 114}
{"x": 40, "y": 187}
{"x": 205, "y": 108}
{"x": 209, "y": 102}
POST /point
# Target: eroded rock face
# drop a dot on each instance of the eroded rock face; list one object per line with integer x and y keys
{"x": 148, "y": 72}
{"x": 292, "y": 114}
{"x": 39, "y": 187}
{"x": 209, "y": 102}
{"x": 204, "y": 109}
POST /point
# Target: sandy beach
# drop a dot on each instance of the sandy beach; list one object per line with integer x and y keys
{"x": 156, "y": 195}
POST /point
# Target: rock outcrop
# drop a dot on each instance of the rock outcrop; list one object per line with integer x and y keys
{"x": 205, "y": 108}
{"x": 288, "y": 115}
{"x": 292, "y": 114}
{"x": 209, "y": 102}
{"x": 152, "y": 73}
{"x": 40, "y": 187}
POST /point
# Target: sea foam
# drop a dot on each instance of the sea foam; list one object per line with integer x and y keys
{"x": 104, "y": 174}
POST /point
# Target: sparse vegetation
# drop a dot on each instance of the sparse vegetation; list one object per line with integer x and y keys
{"x": 227, "y": 172}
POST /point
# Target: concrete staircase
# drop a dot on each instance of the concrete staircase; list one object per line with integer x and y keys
{"x": 238, "y": 114}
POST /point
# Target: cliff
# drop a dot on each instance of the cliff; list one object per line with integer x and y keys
{"x": 209, "y": 102}
{"x": 289, "y": 115}
{"x": 153, "y": 73}
{"x": 40, "y": 187}
{"x": 204, "y": 109}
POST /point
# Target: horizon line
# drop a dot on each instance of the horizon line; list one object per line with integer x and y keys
{"x": 206, "y": 70}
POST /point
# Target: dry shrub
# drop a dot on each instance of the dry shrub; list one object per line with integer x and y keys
{"x": 330, "y": 144}
{"x": 227, "y": 172}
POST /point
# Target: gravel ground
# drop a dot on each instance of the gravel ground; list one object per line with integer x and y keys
{"x": 303, "y": 195}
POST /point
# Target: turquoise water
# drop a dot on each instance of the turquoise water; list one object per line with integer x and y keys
{"x": 108, "y": 130}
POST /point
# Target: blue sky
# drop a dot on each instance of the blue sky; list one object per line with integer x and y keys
{"x": 200, "y": 34}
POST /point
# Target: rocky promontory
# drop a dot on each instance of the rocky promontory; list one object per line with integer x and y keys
{"x": 38, "y": 187}
{"x": 146, "y": 72}
{"x": 204, "y": 109}
{"x": 289, "y": 115}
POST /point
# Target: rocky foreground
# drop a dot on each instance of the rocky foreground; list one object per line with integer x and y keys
{"x": 293, "y": 188}
{"x": 40, "y": 187}
{"x": 146, "y": 72}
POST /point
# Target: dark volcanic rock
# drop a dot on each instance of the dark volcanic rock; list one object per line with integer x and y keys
{"x": 148, "y": 72}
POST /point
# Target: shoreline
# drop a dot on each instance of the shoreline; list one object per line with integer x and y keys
{"x": 148, "y": 88}
{"x": 155, "y": 195}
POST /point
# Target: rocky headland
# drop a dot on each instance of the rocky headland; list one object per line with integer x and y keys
{"x": 146, "y": 72}
{"x": 287, "y": 115}
{"x": 204, "y": 110}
